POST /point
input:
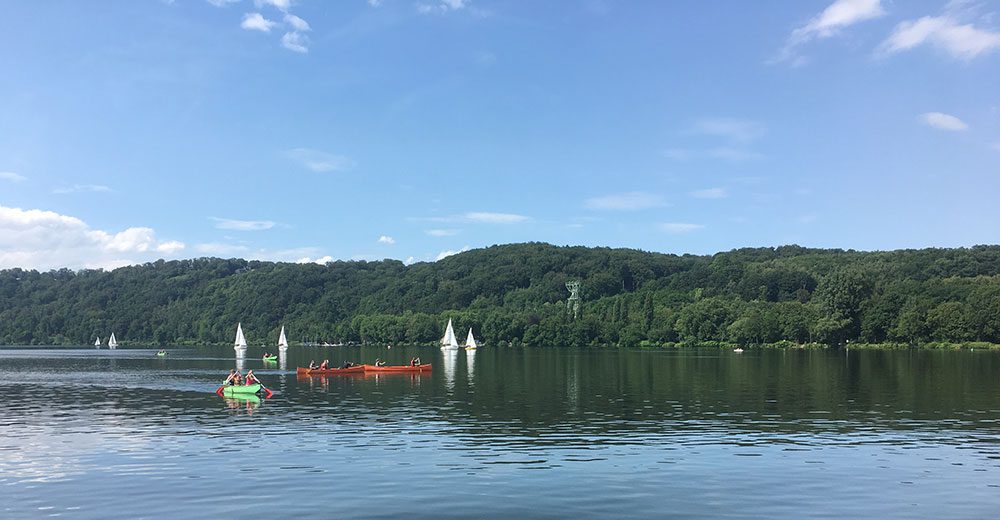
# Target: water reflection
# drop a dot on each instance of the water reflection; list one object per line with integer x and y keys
{"x": 470, "y": 362}
{"x": 241, "y": 360}
{"x": 449, "y": 359}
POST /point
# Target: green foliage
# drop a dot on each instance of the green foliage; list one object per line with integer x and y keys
{"x": 515, "y": 294}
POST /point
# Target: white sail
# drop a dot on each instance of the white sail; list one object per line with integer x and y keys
{"x": 112, "y": 342}
{"x": 449, "y": 341}
{"x": 282, "y": 340}
{"x": 470, "y": 341}
{"x": 97, "y": 342}
{"x": 241, "y": 340}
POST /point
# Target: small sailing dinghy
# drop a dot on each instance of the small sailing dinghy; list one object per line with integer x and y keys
{"x": 470, "y": 341}
{"x": 282, "y": 340}
{"x": 241, "y": 340}
{"x": 97, "y": 342}
{"x": 449, "y": 341}
{"x": 112, "y": 342}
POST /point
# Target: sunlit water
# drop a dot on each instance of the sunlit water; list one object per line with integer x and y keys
{"x": 530, "y": 433}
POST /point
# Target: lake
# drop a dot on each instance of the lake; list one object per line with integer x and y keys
{"x": 533, "y": 433}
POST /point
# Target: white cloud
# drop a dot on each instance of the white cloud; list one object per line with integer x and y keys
{"x": 374, "y": 3}
{"x": 319, "y": 161}
{"x": 386, "y": 239}
{"x": 170, "y": 247}
{"x": 631, "y": 201}
{"x": 409, "y": 260}
{"x": 222, "y": 3}
{"x": 295, "y": 41}
{"x": 943, "y": 121}
{"x": 739, "y": 130}
{"x": 441, "y": 232}
{"x": 446, "y": 254}
{"x": 837, "y": 16}
{"x": 710, "y": 193}
{"x": 680, "y": 227}
{"x": 495, "y": 218}
{"x": 442, "y": 6}
{"x": 296, "y": 23}
{"x": 282, "y": 5}
{"x": 242, "y": 225}
{"x": 11, "y": 176}
{"x": 86, "y": 188}
{"x": 961, "y": 41}
{"x": 39, "y": 239}
{"x": 257, "y": 22}
{"x": 323, "y": 260}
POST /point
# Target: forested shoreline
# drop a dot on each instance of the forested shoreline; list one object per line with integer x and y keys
{"x": 516, "y": 294}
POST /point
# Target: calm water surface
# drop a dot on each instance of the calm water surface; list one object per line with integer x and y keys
{"x": 534, "y": 433}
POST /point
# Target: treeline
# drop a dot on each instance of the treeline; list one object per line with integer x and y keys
{"x": 516, "y": 294}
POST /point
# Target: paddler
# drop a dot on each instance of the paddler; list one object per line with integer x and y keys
{"x": 232, "y": 377}
{"x": 250, "y": 379}
{"x": 379, "y": 362}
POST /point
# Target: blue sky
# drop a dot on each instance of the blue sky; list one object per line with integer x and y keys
{"x": 309, "y": 130}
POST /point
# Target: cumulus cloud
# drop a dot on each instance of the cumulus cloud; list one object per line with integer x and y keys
{"x": 242, "y": 225}
{"x": 295, "y": 41}
{"x": 296, "y": 23}
{"x": 257, "y": 22}
{"x": 495, "y": 218}
{"x": 943, "y": 121}
{"x": 631, "y": 201}
{"x": 836, "y": 17}
{"x": 283, "y": 5}
{"x": 320, "y": 161}
{"x": 946, "y": 33}
{"x": 11, "y": 176}
{"x": 39, "y": 239}
{"x": 323, "y": 260}
{"x": 710, "y": 193}
{"x": 446, "y": 254}
{"x": 386, "y": 239}
{"x": 679, "y": 227}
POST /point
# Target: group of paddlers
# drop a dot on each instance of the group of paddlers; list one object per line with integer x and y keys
{"x": 236, "y": 378}
{"x": 325, "y": 365}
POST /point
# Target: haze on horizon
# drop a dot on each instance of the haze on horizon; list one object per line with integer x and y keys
{"x": 301, "y": 130}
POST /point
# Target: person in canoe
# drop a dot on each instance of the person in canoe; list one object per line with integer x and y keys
{"x": 347, "y": 364}
{"x": 325, "y": 364}
{"x": 231, "y": 380}
{"x": 379, "y": 362}
{"x": 250, "y": 379}
{"x": 312, "y": 364}
{"x": 415, "y": 362}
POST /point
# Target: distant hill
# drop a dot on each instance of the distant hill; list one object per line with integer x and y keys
{"x": 517, "y": 292}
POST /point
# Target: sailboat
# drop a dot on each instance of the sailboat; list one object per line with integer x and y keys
{"x": 470, "y": 341}
{"x": 282, "y": 340}
{"x": 97, "y": 342}
{"x": 112, "y": 342}
{"x": 241, "y": 340}
{"x": 449, "y": 342}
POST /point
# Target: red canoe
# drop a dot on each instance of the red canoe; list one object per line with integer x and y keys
{"x": 399, "y": 368}
{"x": 302, "y": 371}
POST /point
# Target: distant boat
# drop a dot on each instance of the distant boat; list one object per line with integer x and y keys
{"x": 282, "y": 340}
{"x": 470, "y": 341}
{"x": 449, "y": 342}
{"x": 112, "y": 342}
{"x": 241, "y": 340}
{"x": 97, "y": 342}
{"x": 738, "y": 350}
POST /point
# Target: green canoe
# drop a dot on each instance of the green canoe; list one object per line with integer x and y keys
{"x": 230, "y": 390}
{"x": 161, "y": 354}
{"x": 270, "y": 358}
